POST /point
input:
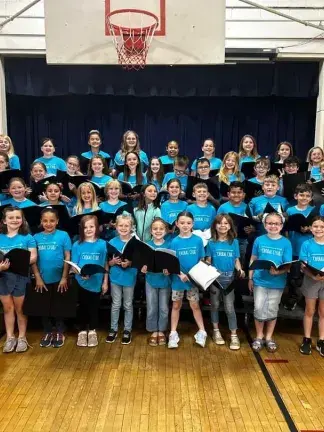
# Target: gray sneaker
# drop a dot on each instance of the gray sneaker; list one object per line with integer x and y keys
{"x": 22, "y": 345}
{"x": 82, "y": 339}
{"x": 10, "y": 345}
{"x": 92, "y": 338}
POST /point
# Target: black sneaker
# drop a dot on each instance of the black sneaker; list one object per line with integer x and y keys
{"x": 127, "y": 337}
{"x": 306, "y": 346}
{"x": 112, "y": 335}
{"x": 320, "y": 347}
{"x": 46, "y": 340}
{"x": 58, "y": 340}
{"x": 290, "y": 304}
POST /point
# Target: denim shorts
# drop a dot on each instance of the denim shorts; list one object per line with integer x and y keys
{"x": 266, "y": 303}
{"x": 192, "y": 295}
{"x": 13, "y": 284}
{"x": 312, "y": 289}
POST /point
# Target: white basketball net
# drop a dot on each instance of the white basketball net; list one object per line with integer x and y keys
{"x": 132, "y": 31}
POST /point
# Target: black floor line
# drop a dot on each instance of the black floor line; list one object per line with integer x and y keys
{"x": 272, "y": 385}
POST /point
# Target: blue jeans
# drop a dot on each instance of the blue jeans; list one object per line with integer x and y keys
{"x": 228, "y": 301}
{"x": 119, "y": 292}
{"x": 157, "y": 308}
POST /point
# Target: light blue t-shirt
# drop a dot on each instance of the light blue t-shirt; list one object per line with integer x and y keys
{"x": 223, "y": 254}
{"x": 255, "y": 180}
{"x": 278, "y": 251}
{"x": 101, "y": 181}
{"x": 51, "y": 248}
{"x": 90, "y": 253}
{"x": 233, "y": 177}
{"x": 296, "y": 238}
{"x": 189, "y": 250}
{"x": 120, "y": 159}
{"x": 171, "y": 175}
{"x": 258, "y": 204}
{"x": 170, "y": 210}
{"x": 19, "y": 241}
{"x": 316, "y": 173}
{"x": 14, "y": 162}
{"x": 111, "y": 208}
{"x": 215, "y": 164}
{"x": 119, "y": 276}
{"x": 158, "y": 280}
{"x": 247, "y": 159}
{"x": 312, "y": 253}
{"x": 228, "y": 207}
{"x": 321, "y": 212}
{"x": 89, "y": 155}
{"x": 20, "y": 204}
{"x": 166, "y": 160}
{"x": 132, "y": 179}
{"x": 203, "y": 216}
{"x": 52, "y": 164}
{"x": 84, "y": 211}
{"x": 46, "y": 203}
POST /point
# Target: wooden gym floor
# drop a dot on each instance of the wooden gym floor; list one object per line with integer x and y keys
{"x": 141, "y": 388}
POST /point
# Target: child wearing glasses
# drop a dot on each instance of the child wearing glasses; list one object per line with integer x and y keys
{"x": 180, "y": 172}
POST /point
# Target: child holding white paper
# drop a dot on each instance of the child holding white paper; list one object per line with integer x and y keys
{"x": 224, "y": 254}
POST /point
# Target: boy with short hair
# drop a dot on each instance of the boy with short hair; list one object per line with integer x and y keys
{"x": 203, "y": 168}
{"x": 303, "y": 195}
{"x": 203, "y": 212}
{"x": 180, "y": 171}
{"x": 261, "y": 169}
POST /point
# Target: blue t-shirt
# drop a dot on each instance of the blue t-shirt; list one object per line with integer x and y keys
{"x": 158, "y": 280}
{"x": 20, "y": 204}
{"x": 296, "y": 238}
{"x": 223, "y": 254}
{"x": 312, "y": 253}
{"x": 171, "y": 175}
{"x": 255, "y": 180}
{"x": 258, "y": 204}
{"x": 215, "y": 164}
{"x": 170, "y": 210}
{"x": 203, "y": 216}
{"x": 247, "y": 159}
{"x": 132, "y": 179}
{"x": 14, "y": 162}
{"x": 46, "y": 203}
{"x": 166, "y": 160}
{"x": 120, "y": 158}
{"x": 52, "y": 164}
{"x": 321, "y": 212}
{"x": 119, "y": 276}
{"x": 189, "y": 250}
{"x": 111, "y": 208}
{"x": 51, "y": 248}
{"x": 233, "y": 177}
{"x": 316, "y": 173}
{"x": 228, "y": 207}
{"x": 278, "y": 251}
{"x": 89, "y": 155}
{"x": 83, "y": 211}
{"x": 19, "y": 241}
{"x": 101, "y": 181}
{"x": 90, "y": 253}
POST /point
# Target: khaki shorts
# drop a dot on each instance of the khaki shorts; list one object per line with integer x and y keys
{"x": 191, "y": 295}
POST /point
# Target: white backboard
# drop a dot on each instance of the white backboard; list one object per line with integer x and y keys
{"x": 189, "y": 31}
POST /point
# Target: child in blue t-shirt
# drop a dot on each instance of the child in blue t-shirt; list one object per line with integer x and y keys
{"x": 189, "y": 249}
{"x": 312, "y": 253}
{"x": 157, "y": 289}
{"x": 172, "y": 149}
{"x": 17, "y": 189}
{"x": 52, "y": 163}
{"x": 53, "y": 195}
{"x": 303, "y": 195}
{"x": 155, "y": 173}
{"x": 51, "y": 278}
{"x": 122, "y": 279}
{"x": 180, "y": 172}
{"x": 248, "y": 151}
{"x": 203, "y": 212}
{"x": 89, "y": 249}
{"x": 208, "y": 149}
{"x": 14, "y": 235}
{"x": 95, "y": 141}
{"x": 268, "y": 285}
{"x": 315, "y": 156}
{"x": 223, "y": 253}
{"x": 133, "y": 173}
{"x": 7, "y": 147}
{"x": 130, "y": 143}
{"x": 261, "y": 169}
{"x": 98, "y": 170}
{"x": 173, "y": 206}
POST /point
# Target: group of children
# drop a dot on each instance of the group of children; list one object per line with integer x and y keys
{"x": 160, "y": 212}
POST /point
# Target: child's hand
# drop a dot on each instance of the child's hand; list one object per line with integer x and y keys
{"x": 126, "y": 263}
{"x": 115, "y": 261}
{"x": 42, "y": 197}
{"x": 250, "y": 285}
{"x": 281, "y": 172}
{"x": 166, "y": 272}
{"x": 86, "y": 277}
{"x": 241, "y": 274}
{"x": 104, "y": 287}
{"x": 40, "y": 286}
{"x": 274, "y": 272}
{"x": 65, "y": 199}
{"x": 144, "y": 269}
{"x": 4, "y": 265}
{"x": 71, "y": 186}
{"x": 183, "y": 277}
{"x": 63, "y": 285}
{"x": 28, "y": 191}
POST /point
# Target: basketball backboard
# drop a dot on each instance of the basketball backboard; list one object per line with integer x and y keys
{"x": 189, "y": 31}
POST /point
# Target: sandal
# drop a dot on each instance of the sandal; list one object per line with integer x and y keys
{"x": 161, "y": 340}
{"x": 257, "y": 344}
{"x": 271, "y": 346}
{"x": 153, "y": 341}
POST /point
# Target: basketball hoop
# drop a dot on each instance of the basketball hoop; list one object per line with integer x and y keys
{"x": 132, "y": 31}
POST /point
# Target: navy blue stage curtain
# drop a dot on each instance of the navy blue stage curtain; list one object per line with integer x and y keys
{"x": 273, "y": 102}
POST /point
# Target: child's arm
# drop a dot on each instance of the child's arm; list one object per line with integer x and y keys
{"x": 33, "y": 255}
{"x": 63, "y": 285}
{"x": 239, "y": 268}
{"x": 40, "y": 285}
{"x": 104, "y": 286}
{"x": 253, "y": 258}
{"x": 4, "y": 265}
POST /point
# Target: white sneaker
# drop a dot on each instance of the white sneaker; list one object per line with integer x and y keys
{"x": 218, "y": 338}
{"x": 173, "y": 340}
{"x": 92, "y": 338}
{"x": 235, "y": 342}
{"x": 82, "y": 339}
{"x": 200, "y": 338}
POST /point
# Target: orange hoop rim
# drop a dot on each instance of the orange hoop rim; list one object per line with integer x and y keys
{"x": 132, "y": 29}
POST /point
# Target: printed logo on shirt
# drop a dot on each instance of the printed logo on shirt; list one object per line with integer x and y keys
{"x": 317, "y": 257}
{"x": 223, "y": 253}
{"x": 93, "y": 256}
{"x": 5, "y": 249}
{"x": 271, "y": 250}
{"x": 47, "y": 246}
{"x": 187, "y": 251}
